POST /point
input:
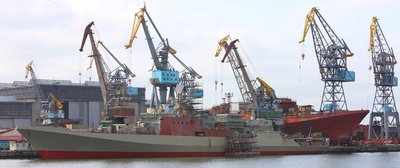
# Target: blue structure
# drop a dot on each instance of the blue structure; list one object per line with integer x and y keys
{"x": 196, "y": 93}
{"x": 133, "y": 91}
{"x": 55, "y": 115}
{"x": 166, "y": 77}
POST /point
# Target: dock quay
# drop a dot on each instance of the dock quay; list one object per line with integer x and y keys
{"x": 364, "y": 148}
{"x": 18, "y": 154}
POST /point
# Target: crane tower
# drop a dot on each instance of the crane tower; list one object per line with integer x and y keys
{"x": 332, "y": 54}
{"x": 384, "y": 118}
{"x": 259, "y": 97}
{"x": 164, "y": 78}
{"x": 116, "y": 94}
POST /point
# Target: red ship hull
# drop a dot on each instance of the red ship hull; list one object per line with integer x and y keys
{"x": 332, "y": 125}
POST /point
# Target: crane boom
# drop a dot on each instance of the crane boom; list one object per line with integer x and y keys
{"x": 334, "y": 39}
{"x": 136, "y": 24}
{"x": 98, "y": 61}
{"x": 307, "y": 24}
{"x": 268, "y": 89}
{"x": 139, "y": 19}
{"x": 123, "y": 66}
{"x": 260, "y": 97}
{"x": 58, "y": 103}
{"x": 191, "y": 71}
{"x": 29, "y": 70}
{"x": 372, "y": 31}
{"x": 221, "y": 45}
{"x": 246, "y": 87}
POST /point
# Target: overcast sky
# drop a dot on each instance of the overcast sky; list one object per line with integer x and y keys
{"x": 50, "y": 33}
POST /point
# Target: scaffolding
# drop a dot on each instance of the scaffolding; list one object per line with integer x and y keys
{"x": 239, "y": 144}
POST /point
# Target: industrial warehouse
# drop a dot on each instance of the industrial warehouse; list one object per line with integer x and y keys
{"x": 20, "y": 105}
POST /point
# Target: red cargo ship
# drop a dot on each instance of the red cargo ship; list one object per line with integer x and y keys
{"x": 305, "y": 120}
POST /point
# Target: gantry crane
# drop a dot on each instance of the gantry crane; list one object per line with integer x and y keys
{"x": 164, "y": 77}
{"x": 258, "y": 97}
{"x": 332, "y": 56}
{"x": 384, "y": 118}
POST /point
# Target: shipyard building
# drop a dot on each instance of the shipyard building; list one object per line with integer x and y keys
{"x": 20, "y": 105}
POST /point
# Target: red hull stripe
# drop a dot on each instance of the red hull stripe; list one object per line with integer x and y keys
{"x": 88, "y": 155}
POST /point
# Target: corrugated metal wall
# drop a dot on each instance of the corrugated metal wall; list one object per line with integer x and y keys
{"x": 12, "y": 123}
{"x": 94, "y": 114}
{"x": 89, "y": 113}
{"x": 6, "y": 123}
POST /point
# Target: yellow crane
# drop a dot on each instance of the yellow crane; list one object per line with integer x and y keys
{"x": 372, "y": 31}
{"x": 136, "y": 23}
{"x": 307, "y": 24}
{"x": 139, "y": 18}
{"x": 268, "y": 89}
{"x": 29, "y": 70}
{"x": 310, "y": 21}
{"x": 58, "y": 103}
{"x": 221, "y": 45}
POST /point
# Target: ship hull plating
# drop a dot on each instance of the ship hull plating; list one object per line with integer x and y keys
{"x": 332, "y": 125}
{"x": 61, "y": 143}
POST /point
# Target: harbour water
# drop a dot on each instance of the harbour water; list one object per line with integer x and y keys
{"x": 354, "y": 160}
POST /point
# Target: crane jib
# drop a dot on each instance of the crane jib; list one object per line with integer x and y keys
{"x": 229, "y": 48}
